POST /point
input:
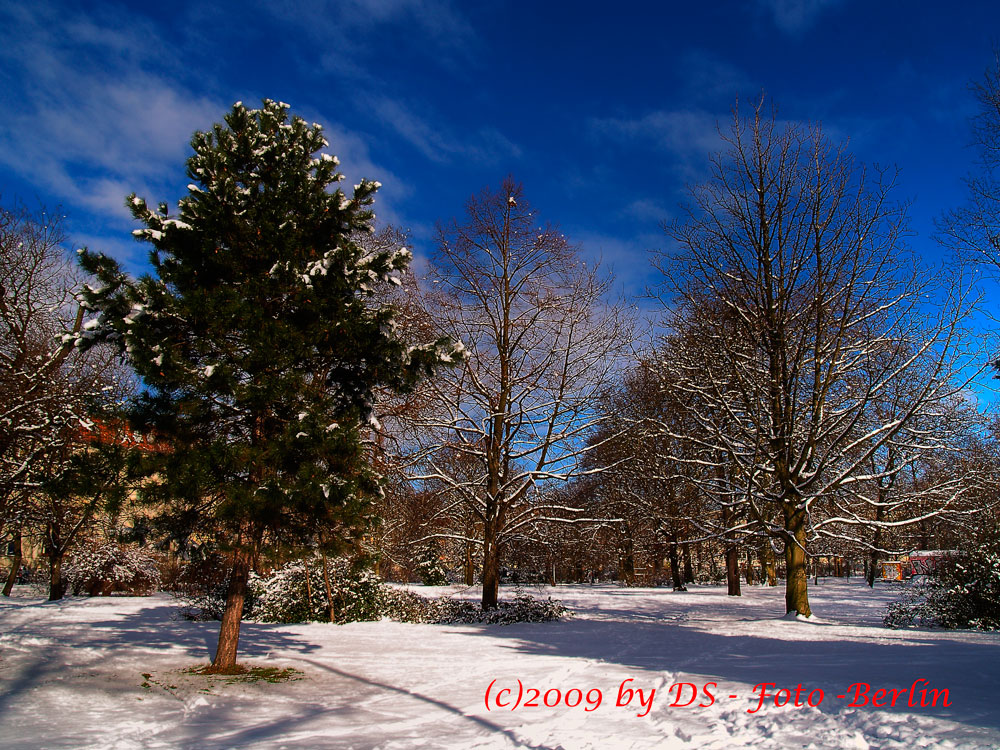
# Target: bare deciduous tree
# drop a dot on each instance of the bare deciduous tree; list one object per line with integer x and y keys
{"x": 542, "y": 344}
{"x": 36, "y": 308}
{"x": 790, "y": 271}
{"x": 646, "y": 493}
{"x": 47, "y": 388}
{"x": 974, "y": 228}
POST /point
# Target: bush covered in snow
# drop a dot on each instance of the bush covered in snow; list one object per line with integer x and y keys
{"x": 913, "y": 607}
{"x": 403, "y": 605}
{"x": 297, "y": 592}
{"x": 964, "y": 593}
{"x": 522, "y": 608}
{"x": 360, "y": 595}
{"x": 283, "y": 595}
{"x": 287, "y": 593}
{"x": 106, "y": 568}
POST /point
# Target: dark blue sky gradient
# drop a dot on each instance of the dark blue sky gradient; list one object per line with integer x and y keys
{"x": 603, "y": 110}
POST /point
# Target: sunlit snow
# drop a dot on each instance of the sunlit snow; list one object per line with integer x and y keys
{"x": 73, "y": 677}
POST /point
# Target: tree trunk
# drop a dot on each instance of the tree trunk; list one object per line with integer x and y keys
{"x": 491, "y": 574}
{"x": 675, "y": 566}
{"x": 732, "y": 556}
{"x": 872, "y": 566}
{"x": 874, "y": 559}
{"x": 626, "y": 569}
{"x": 749, "y": 570}
{"x": 766, "y": 568}
{"x": 470, "y": 569}
{"x": 15, "y": 567}
{"x": 57, "y": 586}
{"x": 796, "y": 574}
{"x": 733, "y": 569}
{"x": 229, "y": 632}
{"x": 768, "y": 565}
{"x": 688, "y": 569}
{"x": 626, "y": 557}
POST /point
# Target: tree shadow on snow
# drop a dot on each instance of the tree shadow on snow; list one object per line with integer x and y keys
{"x": 679, "y": 643}
{"x": 153, "y": 629}
{"x": 313, "y": 723}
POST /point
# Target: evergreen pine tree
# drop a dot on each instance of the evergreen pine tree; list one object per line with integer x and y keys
{"x": 429, "y": 566}
{"x": 259, "y": 341}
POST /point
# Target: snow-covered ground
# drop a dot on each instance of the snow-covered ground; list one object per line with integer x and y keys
{"x": 72, "y": 676}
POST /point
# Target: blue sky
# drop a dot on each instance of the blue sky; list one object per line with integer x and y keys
{"x": 604, "y": 111}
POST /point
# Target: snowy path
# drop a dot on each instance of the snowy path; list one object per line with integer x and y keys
{"x": 71, "y": 676}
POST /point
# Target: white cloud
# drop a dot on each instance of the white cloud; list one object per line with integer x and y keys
{"x": 706, "y": 77}
{"x": 688, "y": 135}
{"x": 346, "y": 28}
{"x": 795, "y": 16}
{"x": 437, "y": 18}
{"x": 95, "y": 107}
{"x": 93, "y": 125}
{"x": 99, "y": 126}
{"x": 646, "y": 210}
{"x": 626, "y": 256}
{"x": 439, "y": 143}
{"x": 356, "y": 163}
